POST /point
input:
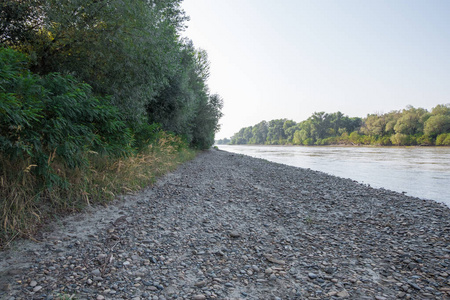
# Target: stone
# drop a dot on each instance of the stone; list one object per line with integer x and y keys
{"x": 235, "y": 234}
{"x": 343, "y": 294}
{"x": 37, "y": 288}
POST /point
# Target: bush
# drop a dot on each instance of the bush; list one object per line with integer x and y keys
{"x": 424, "y": 140}
{"x": 384, "y": 141}
{"x": 443, "y": 139}
{"x": 354, "y": 137}
{"x": 400, "y": 139}
{"x": 54, "y": 119}
{"x": 308, "y": 142}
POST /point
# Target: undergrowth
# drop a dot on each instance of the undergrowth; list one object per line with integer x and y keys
{"x": 62, "y": 147}
{"x": 24, "y": 207}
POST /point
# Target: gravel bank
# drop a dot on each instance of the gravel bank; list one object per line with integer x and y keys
{"x": 227, "y": 226}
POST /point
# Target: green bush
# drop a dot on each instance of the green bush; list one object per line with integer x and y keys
{"x": 384, "y": 141}
{"x": 443, "y": 139}
{"x": 54, "y": 119}
{"x": 400, "y": 139}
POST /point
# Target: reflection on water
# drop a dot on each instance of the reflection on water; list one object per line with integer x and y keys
{"x": 422, "y": 172}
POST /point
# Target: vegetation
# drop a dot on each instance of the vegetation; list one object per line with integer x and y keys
{"x": 96, "y": 98}
{"x": 411, "y": 126}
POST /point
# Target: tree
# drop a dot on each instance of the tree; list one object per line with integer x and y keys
{"x": 276, "y": 135}
{"x": 289, "y": 128}
{"x": 259, "y": 133}
{"x": 410, "y": 122}
{"x": 436, "y": 125}
{"x": 124, "y": 48}
{"x": 206, "y": 122}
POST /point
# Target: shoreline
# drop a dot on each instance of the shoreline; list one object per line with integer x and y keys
{"x": 416, "y": 171}
{"x": 341, "y": 145}
{"x": 229, "y": 226}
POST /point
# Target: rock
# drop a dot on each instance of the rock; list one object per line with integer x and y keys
{"x": 343, "y": 294}
{"x": 199, "y": 297}
{"x": 180, "y": 243}
{"x": 37, "y": 288}
{"x": 200, "y": 283}
{"x": 235, "y": 234}
{"x": 5, "y": 287}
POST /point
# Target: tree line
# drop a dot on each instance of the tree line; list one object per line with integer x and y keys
{"x": 410, "y": 126}
{"x": 130, "y": 54}
{"x": 91, "y": 90}
{"x": 103, "y": 76}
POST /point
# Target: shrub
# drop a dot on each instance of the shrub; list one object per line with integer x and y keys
{"x": 400, "y": 139}
{"x": 54, "y": 119}
{"x": 384, "y": 141}
{"x": 443, "y": 139}
{"x": 424, "y": 140}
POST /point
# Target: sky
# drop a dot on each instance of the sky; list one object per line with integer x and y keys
{"x": 291, "y": 58}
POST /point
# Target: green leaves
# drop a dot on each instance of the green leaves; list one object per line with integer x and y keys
{"x": 127, "y": 49}
{"x": 412, "y": 126}
{"x": 55, "y": 117}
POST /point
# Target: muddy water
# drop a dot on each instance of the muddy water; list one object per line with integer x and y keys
{"x": 422, "y": 172}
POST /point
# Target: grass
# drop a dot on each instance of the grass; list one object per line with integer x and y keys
{"x": 24, "y": 207}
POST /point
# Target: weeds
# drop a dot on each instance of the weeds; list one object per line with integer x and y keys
{"x": 24, "y": 206}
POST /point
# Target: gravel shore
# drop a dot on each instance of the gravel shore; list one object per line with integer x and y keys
{"x": 228, "y": 226}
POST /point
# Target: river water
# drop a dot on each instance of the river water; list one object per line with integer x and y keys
{"x": 422, "y": 172}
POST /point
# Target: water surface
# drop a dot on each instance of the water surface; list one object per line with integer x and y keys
{"x": 422, "y": 172}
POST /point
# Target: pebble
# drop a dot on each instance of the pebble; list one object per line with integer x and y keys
{"x": 235, "y": 234}
{"x": 227, "y": 226}
{"x": 37, "y": 288}
{"x": 343, "y": 294}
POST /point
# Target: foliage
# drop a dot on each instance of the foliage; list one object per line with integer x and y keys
{"x": 103, "y": 83}
{"x": 443, "y": 139}
{"x": 184, "y": 106}
{"x": 127, "y": 49}
{"x": 54, "y": 118}
{"x": 411, "y": 126}
{"x": 21, "y": 211}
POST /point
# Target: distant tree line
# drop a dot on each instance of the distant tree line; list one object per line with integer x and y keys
{"x": 410, "y": 126}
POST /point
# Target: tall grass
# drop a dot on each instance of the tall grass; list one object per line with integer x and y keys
{"x": 25, "y": 206}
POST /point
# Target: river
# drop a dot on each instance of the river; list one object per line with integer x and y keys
{"x": 422, "y": 172}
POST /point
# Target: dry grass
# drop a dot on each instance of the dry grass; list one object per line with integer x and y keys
{"x": 23, "y": 208}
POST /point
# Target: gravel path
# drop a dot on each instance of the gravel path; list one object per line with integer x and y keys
{"x": 227, "y": 226}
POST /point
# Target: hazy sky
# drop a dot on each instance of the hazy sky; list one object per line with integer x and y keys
{"x": 291, "y": 58}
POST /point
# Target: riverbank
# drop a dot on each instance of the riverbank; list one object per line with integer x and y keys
{"x": 422, "y": 172}
{"x": 228, "y": 226}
